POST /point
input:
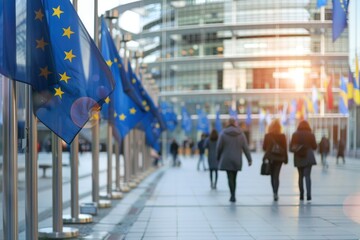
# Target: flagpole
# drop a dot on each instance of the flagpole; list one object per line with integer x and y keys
{"x": 10, "y": 167}
{"x": 75, "y": 217}
{"x": 31, "y": 163}
{"x": 95, "y": 133}
{"x": 109, "y": 143}
{"x": 126, "y": 145}
{"x": 58, "y": 230}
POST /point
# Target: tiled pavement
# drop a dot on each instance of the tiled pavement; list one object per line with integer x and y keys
{"x": 177, "y": 203}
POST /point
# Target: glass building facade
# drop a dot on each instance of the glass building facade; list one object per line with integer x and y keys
{"x": 213, "y": 54}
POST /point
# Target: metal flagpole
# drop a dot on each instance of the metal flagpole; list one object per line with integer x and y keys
{"x": 75, "y": 217}
{"x": 109, "y": 143}
{"x": 57, "y": 230}
{"x": 31, "y": 164}
{"x": 10, "y": 182}
{"x": 117, "y": 166}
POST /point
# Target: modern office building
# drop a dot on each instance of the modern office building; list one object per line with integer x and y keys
{"x": 265, "y": 54}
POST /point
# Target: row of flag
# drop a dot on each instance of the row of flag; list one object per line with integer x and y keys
{"x": 45, "y": 44}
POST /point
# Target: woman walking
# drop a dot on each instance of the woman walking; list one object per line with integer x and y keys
{"x": 231, "y": 144}
{"x": 303, "y": 144}
{"x": 210, "y": 144}
{"x": 275, "y": 148}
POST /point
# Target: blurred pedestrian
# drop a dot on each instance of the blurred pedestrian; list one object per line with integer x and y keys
{"x": 185, "y": 146}
{"x": 302, "y": 145}
{"x": 192, "y": 147}
{"x": 231, "y": 144}
{"x": 341, "y": 151}
{"x": 201, "y": 148}
{"x": 275, "y": 148}
{"x": 210, "y": 144}
{"x": 174, "y": 151}
{"x": 324, "y": 149}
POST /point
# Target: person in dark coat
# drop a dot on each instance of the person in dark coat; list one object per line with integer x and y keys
{"x": 210, "y": 144}
{"x": 201, "y": 148}
{"x": 324, "y": 149}
{"x": 341, "y": 151}
{"x": 276, "y": 156}
{"x": 174, "y": 150}
{"x": 302, "y": 145}
{"x": 231, "y": 144}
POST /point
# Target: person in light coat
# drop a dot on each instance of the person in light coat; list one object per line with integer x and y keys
{"x": 231, "y": 144}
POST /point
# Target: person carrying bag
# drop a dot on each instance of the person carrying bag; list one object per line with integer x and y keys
{"x": 302, "y": 145}
{"x": 275, "y": 148}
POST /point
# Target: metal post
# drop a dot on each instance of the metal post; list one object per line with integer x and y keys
{"x": 57, "y": 230}
{"x": 10, "y": 182}
{"x": 31, "y": 205}
{"x": 117, "y": 166}
{"x": 74, "y": 164}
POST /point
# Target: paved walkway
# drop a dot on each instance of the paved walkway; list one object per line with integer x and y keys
{"x": 177, "y": 203}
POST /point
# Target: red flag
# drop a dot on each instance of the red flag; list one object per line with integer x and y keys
{"x": 329, "y": 95}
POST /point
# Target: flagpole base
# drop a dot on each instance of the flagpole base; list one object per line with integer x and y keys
{"x": 132, "y": 184}
{"x": 104, "y": 204}
{"x": 82, "y": 218}
{"x": 89, "y": 208}
{"x": 125, "y": 188}
{"x": 67, "y": 232}
{"x": 112, "y": 195}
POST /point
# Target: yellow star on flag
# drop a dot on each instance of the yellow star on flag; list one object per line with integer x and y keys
{"x": 67, "y": 32}
{"x": 109, "y": 63}
{"x": 122, "y": 117}
{"x": 41, "y": 44}
{"x": 107, "y": 100}
{"x": 115, "y": 60}
{"x": 39, "y": 15}
{"x": 132, "y": 110}
{"x": 64, "y": 77}
{"x": 134, "y": 81}
{"x": 157, "y": 125}
{"x": 115, "y": 114}
{"x": 58, "y": 92}
{"x": 147, "y": 108}
{"x": 144, "y": 103}
{"x": 69, "y": 55}
{"x": 57, "y": 11}
{"x": 44, "y": 72}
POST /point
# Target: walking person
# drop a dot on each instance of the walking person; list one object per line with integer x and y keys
{"x": 210, "y": 144}
{"x": 231, "y": 144}
{"x": 201, "y": 148}
{"x": 341, "y": 151}
{"x": 275, "y": 148}
{"x": 174, "y": 150}
{"x": 302, "y": 145}
{"x": 324, "y": 149}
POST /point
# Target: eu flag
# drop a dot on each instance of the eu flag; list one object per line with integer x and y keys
{"x": 186, "y": 123}
{"x": 233, "y": 114}
{"x": 203, "y": 123}
{"x": 119, "y": 109}
{"x": 153, "y": 133}
{"x": 248, "y": 115}
{"x": 85, "y": 78}
{"x": 321, "y": 3}
{"x": 343, "y": 100}
{"x": 169, "y": 115}
{"x": 26, "y": 53}
{"x": 127, "y": 78}
{"x": 218, "y": 125}
{"x": 340, "y": 10}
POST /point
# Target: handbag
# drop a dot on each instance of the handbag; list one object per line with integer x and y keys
{"x": 299, "y": 150}
{"x": 265, "y": 168}
{"x": 276, "y": 152}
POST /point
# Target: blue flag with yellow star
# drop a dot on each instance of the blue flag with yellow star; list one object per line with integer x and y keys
{"x": 186, "y": 122}
{"x": 26, "y": 54}
{"x": 169, "y": 115}
{"x": 203, "y": 123}
{"x": 119, "y": 109}
{"x": 339, "y": 17}
{"x": 85, "y": 79}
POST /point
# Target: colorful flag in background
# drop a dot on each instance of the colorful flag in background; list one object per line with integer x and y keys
{"x": 315, "y": 99}
{"x": 248, "y": 115}
{"x": 218, "y": 125}
{"x": 343, "y": 100}
{"x": 284, "y": 114}
{"x": 357, "y": 82}
{"x": 339, "y": 17}
{"x": 203, "y": 123}
{"x": 85, "y": 79}
{"x": 301, "y": 109}
{"x": 262, "y": 116}
{"x": 350, "y": 88}
{"x": 321, "y": 3}
{"x": 329, "y": 94}
{"x": 293, "y": 109}
{"x": 119, "y": 109}
{"x": 233, "y": 114}
{"x": 186, "y": 123}
{"x": 169, "y": 115}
